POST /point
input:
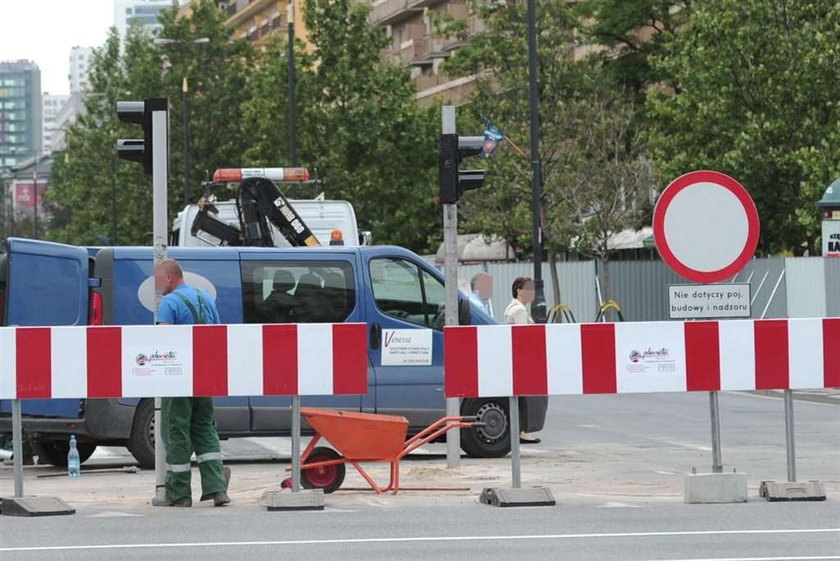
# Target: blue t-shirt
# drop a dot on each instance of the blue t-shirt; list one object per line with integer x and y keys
{"x": 175, "y": 311}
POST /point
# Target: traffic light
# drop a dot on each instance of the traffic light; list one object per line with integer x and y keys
{"x": 454, "y": 181}
{"x": 140, "y": 113}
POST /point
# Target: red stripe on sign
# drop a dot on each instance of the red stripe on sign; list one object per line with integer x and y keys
{"x": 280, "y": 359}
{"x": 831, "y": 353}
{"x": 771, "y": 355}
{"x": 104, "y": 361}
{"x": 460, "y": 361}
{"x": 530, "y": 363}
{"x": 702, "y": 356}
{"x": 210, "y": 360}
{"x": 598, "y": 357}
{"x": 350, "y": 358}
{"x": 34, "y": 375}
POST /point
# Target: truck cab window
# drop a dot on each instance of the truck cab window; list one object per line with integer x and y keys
{"x": 403, "y": 290}
{"x": 297, "y": 292}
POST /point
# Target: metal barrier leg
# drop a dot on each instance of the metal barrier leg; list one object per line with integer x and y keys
{"x": 295, "y": 443}
{"x": 160, "y": 454}
{"x": 27, "y": 506}
{"x": 514, "y": 442}
{"x": 717, "y": 462}
{"x": 790, "y": 444}
{"x": 17, "y": 447}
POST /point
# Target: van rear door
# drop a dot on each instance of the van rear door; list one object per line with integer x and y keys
{"x": 44, "y": 283}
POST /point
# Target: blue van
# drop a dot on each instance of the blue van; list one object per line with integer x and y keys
{"x": 389, "y": 288}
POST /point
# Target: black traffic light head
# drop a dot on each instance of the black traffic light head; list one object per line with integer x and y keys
{"x": 453, "y": 181}
{"x": 139, "y": 113}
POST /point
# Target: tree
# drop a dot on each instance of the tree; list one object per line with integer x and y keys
{"x": 627, "y": 33}
{"x": 753, "y": 95}
{"x": 497, "y": 57}
{"x": 85, "y": 177}
{"x": 358, "y": 124}
{"x": 595, "y": 178}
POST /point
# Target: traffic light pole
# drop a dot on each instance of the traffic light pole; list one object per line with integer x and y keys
{"x": 160, "y": 167}
{"x": 450, "y": 269}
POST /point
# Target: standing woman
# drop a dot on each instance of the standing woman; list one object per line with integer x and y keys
{"x": 517, "y": 313}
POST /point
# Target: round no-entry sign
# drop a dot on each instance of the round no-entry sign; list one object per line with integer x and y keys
{"x": 705, "y": 226}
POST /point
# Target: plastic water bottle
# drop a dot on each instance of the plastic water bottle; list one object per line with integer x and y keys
{"x": 74, "y": 466}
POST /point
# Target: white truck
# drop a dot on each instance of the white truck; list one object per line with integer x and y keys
{"x": 328, "y": 221}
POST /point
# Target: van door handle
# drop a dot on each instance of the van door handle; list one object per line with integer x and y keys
{"x": 375, "y": 336}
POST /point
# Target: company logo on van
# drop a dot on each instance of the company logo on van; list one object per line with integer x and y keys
{"x": 146, "y": 291}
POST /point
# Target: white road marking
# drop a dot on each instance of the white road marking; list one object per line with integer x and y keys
{"x": 110, "y": 514}
{"x": 619, "y": 505}
{"x": 806, "y": 558}
{"x": 414, "y": 539}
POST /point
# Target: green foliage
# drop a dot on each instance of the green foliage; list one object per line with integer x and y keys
{"x": 592, "y": 167}
{"x": 358, "y": 124}
{"x": 87, "y": 175}
{"x": 626, "y": 33}
{"x": 757, "y": 99}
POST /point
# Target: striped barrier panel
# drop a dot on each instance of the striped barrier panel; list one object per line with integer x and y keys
{"x": 183, "y": 361}
{"x": 575, "y": 359}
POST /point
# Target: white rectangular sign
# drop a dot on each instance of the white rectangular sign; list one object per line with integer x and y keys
{"x": 831, "y": 238}
{"x": 406, "y": 347}
{"x": 688, "y": 301}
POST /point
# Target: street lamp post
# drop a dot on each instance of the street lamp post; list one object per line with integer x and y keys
{"x": 538, "y": 308}
{"x": 185, "y": 113}
{"x": 290, "y": 15}
{"x": 185, "y": 116}
{"x": 35, "y": 203}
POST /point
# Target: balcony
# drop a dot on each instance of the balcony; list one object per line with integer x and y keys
{"x": 387, "y": 12}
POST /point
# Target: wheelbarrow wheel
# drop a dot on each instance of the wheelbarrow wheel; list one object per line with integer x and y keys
{"x": 328, "y": 478}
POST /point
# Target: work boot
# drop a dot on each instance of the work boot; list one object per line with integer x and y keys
{"x": 220, "y": 498}
{"x": 165, "y": 501}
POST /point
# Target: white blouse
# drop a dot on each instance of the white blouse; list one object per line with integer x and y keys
{"x": 516, "y": 312}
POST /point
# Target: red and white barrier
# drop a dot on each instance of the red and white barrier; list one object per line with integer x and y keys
{"x": 183, "y": 360}
{"x": 574, "y": 359}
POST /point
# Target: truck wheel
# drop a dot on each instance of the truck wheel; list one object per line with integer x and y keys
{"x": 141, "y": 441}
{"x": 491, "y": 440}
{"x": 55, "y": 451}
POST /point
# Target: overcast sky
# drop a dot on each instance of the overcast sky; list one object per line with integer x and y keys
{"x": 44, "y": 31}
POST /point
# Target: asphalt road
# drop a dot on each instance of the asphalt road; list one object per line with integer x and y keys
{"x": 614, "y": 463}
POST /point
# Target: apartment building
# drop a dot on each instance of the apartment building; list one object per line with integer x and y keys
{"x": 51, "y": 106}
{"x": 416, "y": 44}
{"x": 80, "y": 60}
{"x": 139, "y": 12}
{"x": 408, "y": 24}
{"x": 20, "y": 112}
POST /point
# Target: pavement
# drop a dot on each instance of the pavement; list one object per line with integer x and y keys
{"x": 615, "y": 464}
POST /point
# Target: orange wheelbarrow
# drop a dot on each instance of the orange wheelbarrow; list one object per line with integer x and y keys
{"x": 362, "y": 437}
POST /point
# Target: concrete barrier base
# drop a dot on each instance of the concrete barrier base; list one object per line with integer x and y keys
{"x": 34, "y": 506}
{"x": 531, "y": 496}
{"x": 792, "y": 491}
{"x": 703, "y": 488}
{"x": 305, "y": 499}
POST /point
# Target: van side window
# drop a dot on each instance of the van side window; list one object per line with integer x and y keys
{"x": 297, "y": 291}
{"x": 403, "y": 290}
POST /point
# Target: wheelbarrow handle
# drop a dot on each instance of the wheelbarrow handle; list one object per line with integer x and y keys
{"x": 469, "y": 419}
{"x": 478, "y": 424}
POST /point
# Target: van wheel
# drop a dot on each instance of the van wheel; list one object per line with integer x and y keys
{"x": 141, "y": 441}
{"x": 55, "y": 451}
{"x": 491, "y": 440}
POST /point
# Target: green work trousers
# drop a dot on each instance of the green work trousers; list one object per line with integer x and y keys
{"x": 190, "y": 425}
